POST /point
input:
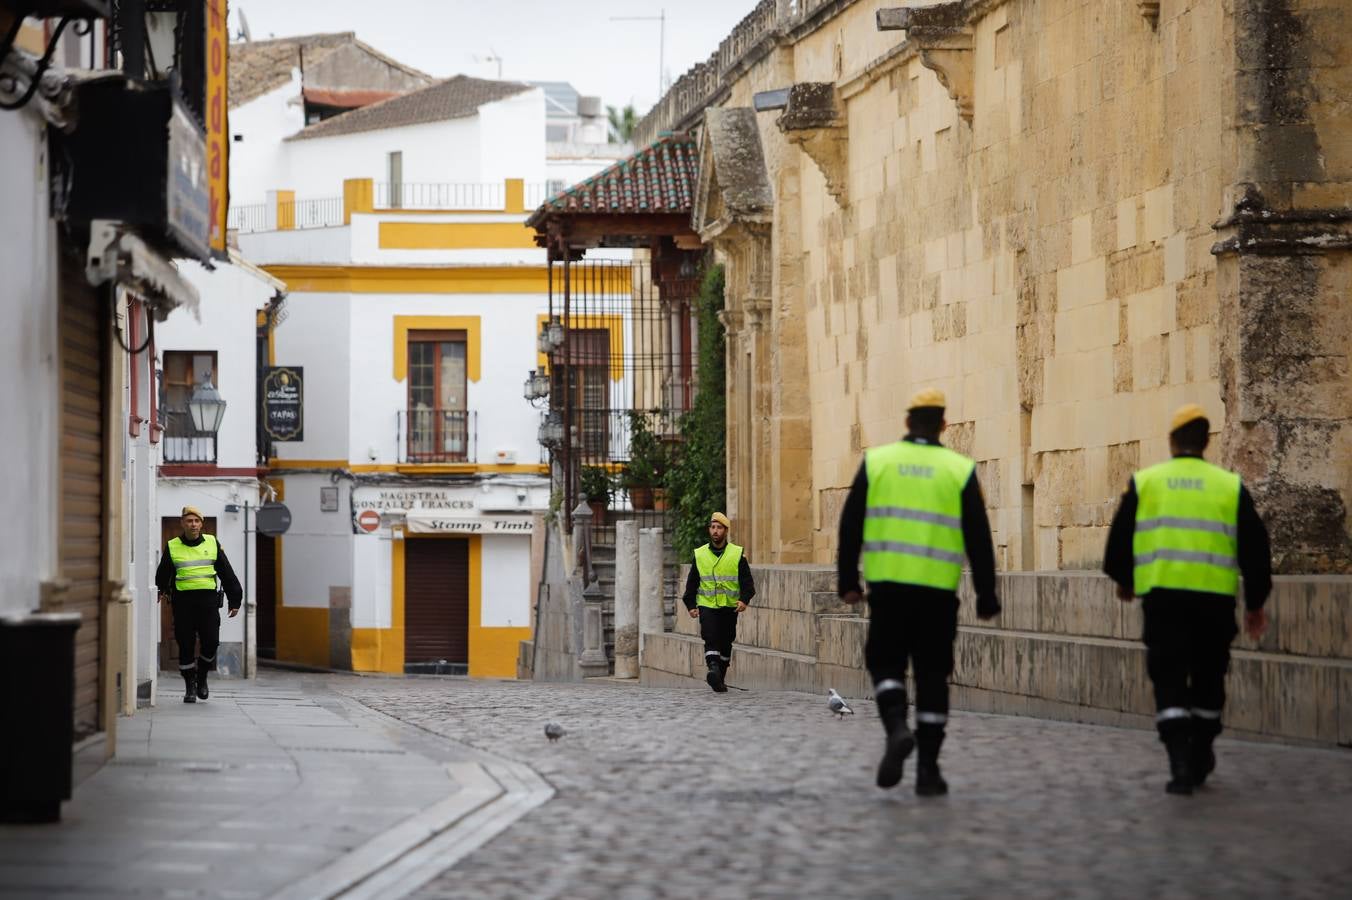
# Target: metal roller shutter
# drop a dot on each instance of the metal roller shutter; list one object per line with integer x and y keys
{"x": 436, "y": 601}
{"x": 82, "y": 482}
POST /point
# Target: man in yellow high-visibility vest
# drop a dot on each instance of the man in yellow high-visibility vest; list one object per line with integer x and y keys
{"x": 187, "y": 573}
{"x": 1183, "y": 535}
{"x": 718, "y": 590}
{"x": 916, "y": 511}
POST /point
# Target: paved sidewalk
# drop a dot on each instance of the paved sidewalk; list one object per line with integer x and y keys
{"x": 274, "y": 788}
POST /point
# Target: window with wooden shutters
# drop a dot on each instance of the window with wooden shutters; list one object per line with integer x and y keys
{"x": 183, "y": 372}
{"x": 438, "y": 422}
{"x": 588, "y": 367}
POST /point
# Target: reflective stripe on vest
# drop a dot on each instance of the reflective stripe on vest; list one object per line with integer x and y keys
{"x": 718, "y": 582}
{"x": 194, "y": 567}
{"x": 913, "y": 522}
{"x": 1187, "y": 528}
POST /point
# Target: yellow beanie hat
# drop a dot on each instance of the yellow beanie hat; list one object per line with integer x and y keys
{"x": 1185, "y": 415}
{"x": 929, "y": 398}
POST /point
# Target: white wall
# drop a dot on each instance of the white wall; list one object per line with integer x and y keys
{"x": 314, "y": 335}
{"x": 318, "y": 550}
{"x": 231, "y": 297}
{"x": 306, "y": 246}
{"x": 506, "y": 582}
{"x": 513, "y": 137}
{"x": 506, "y": 139}
{"x": 506, "y": 351}
{"x": 372, "y": 563}
{"x": 258, "y": 162}
{"x": 28, "y": 346}
{"x": 437, "y": 152}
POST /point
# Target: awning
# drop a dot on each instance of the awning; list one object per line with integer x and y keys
{"x": 432, "y": 522}
{"x": 116, "y": 254}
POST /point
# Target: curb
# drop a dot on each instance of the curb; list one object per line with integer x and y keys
{"x": 519, "y": 790}
{"x": 492, "y": 795}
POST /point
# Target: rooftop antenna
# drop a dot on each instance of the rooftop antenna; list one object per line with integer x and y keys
{"x": 491, "y": 57}
{"x": 661, "y": 45}
{"x": 244, "y": 27}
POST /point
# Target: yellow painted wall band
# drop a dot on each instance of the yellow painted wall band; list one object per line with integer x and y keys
{"x": 412, "y": 279}
{"x": 455, "y": 236}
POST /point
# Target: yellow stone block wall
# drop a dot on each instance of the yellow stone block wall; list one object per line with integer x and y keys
{"x": 1046, "y": 264}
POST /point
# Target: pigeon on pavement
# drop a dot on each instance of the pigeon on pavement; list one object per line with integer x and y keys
{"x": 837, "y": 704}
{"x": 554, "y": 731}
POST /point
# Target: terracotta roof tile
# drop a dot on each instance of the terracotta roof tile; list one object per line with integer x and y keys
{"x": 454, "y": 98}
{"x": 257, "y": 67}
{"x": 660, "y": 178}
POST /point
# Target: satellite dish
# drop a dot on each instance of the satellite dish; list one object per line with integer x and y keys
{"x": 244, "y": 27}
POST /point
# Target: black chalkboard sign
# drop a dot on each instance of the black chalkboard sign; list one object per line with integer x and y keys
{"x": 283, "y": 403}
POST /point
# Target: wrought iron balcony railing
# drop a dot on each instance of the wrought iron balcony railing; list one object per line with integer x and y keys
{"x": 182, "y": 443}
{"x": 437, "y": 435}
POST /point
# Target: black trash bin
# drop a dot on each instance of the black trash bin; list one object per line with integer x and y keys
{"x": 37, "y": 684}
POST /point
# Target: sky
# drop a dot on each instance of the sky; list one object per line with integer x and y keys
{"x": 564, "y": 40}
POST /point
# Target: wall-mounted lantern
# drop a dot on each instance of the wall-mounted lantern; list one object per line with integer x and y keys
{"x": 207, "y": 408}
{"x": 536, "y": 386}
{"x": 551, "y": 336}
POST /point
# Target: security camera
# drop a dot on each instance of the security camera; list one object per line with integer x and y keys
{"x": 520, "y": 495}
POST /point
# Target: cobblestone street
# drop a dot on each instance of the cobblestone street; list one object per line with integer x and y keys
{"x": 677, "y": 793}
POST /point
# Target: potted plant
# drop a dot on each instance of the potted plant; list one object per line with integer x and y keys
{"x": 597, "y": 486}
{"x": 647, "y": 461}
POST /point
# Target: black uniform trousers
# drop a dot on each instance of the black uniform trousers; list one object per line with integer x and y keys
{"x": 718, "y": 627}
{"x": 917, "y": 626}
{"x": 1187, "y": 639}
{"x": 196, "y": 618}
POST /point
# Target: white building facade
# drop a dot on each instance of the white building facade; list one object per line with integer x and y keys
{"x": 216, "y": 473}
{"x": 414, "y": 487}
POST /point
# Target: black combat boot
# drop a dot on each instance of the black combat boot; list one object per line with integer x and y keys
{"x": 1180, "y": 768}
{"x": 900, "y": 743}
{"x": 928, "y": 781}
{"x": 202, "y": 692}
{"x": 1201, "y": 756}
{"x": 715, "y": 676}
{"x": 190, "y": 686}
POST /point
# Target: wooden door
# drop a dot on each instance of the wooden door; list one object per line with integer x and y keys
{"x": 170, "y": 528}
{"x": 436, "y": 601}
{"x": 80, "y": 554}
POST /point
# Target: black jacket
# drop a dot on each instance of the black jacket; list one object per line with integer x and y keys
{"x": 1255, "y": 550}
{"x": 976, "y": 536}
{"x": 745, "y": 585}
{"x": 164, "y": 575}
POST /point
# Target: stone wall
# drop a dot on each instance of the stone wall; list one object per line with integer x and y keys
{"x": 1070, "y": 215}
{"x": 1065, "y": 647}
{"x": 553, "y": 652}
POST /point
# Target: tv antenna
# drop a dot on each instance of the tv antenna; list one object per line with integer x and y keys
{"x": 661, "y": 20}
{"x": 491, "y": 57}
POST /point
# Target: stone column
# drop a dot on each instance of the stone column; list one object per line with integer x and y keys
{"x": 650, "y": 613}
{"x": 626, "y": 599}
{"x": 593, "y": 662}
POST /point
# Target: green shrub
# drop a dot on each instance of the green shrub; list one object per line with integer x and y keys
{"x": 596, "y": 484}
{"x": 696, "y": 480}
